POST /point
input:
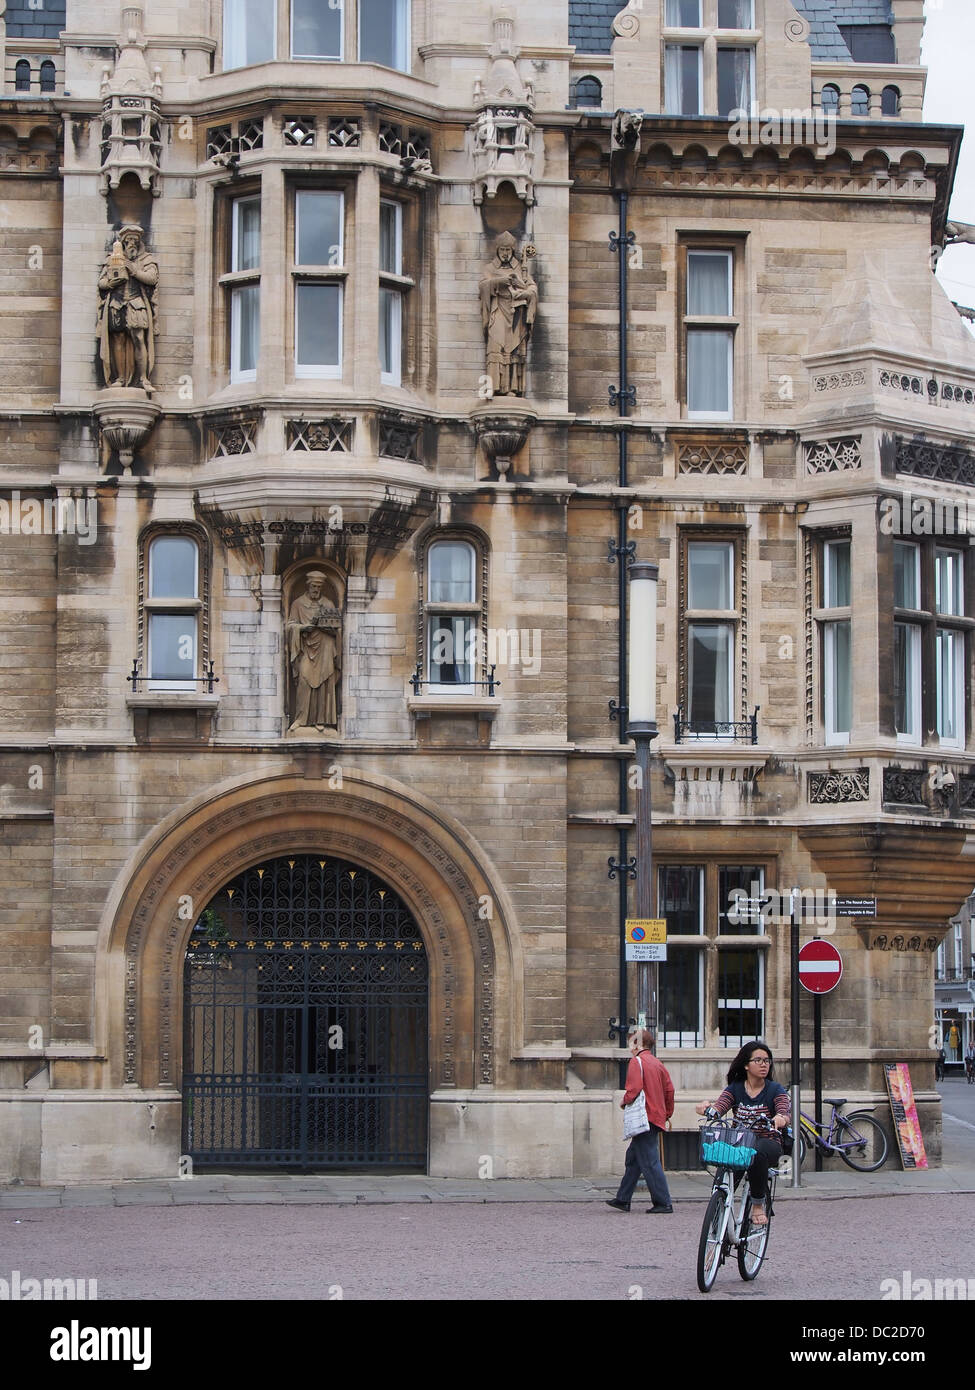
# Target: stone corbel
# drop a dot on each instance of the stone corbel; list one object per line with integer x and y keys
{"x": 125, "y": 418}
{"x": 502, "y": 432}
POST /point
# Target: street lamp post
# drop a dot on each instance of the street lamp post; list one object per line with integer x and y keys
{"x": 642, "y": 728}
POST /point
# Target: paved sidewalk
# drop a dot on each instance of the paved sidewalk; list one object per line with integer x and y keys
{"x": 368, "y": 1190}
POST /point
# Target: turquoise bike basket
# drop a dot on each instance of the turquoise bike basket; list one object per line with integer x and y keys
{"x": 724, "y": 1147}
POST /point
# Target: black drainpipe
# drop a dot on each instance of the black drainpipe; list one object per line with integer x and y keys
{"x": 622, "y": 396}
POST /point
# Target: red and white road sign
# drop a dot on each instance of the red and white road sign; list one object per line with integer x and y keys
{"x": 820, "y": 966}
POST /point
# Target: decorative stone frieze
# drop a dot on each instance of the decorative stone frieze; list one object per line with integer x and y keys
{"x": 934, "y": 389}
{"x": 712, "y": 456}
{"x": 942, "y": 462}
{"x": 331, "y": 436}
{"x": 400, "y": 439}
{"x": 233, "y": 437}
{"x": 904, "y": 786}
{"x": 833, "y": 455}
{"x": 832, "y": 788}
{"x": 839, "y": 381}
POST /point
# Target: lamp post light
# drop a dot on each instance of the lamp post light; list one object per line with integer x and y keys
{"x": 642, "y": 728}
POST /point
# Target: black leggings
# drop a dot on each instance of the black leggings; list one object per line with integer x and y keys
{"x": 767, "y": 1156}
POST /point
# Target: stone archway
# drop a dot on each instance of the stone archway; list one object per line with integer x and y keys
{"x": 475, "y": 968}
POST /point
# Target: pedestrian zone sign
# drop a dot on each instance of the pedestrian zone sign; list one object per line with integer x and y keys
{"x": 646, "y": 938}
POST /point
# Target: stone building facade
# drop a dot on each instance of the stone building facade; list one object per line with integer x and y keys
{"x": 314, "y": 419}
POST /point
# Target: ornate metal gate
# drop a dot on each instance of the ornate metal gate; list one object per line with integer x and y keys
{"x": 305, "y": 1023}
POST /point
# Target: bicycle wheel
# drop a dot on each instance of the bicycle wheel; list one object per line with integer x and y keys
{"x": 869, "y": 1137}
{"x": 752, "y": 1245}
{"x": 709, "y": 1246}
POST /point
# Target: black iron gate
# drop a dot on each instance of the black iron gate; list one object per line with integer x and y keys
{"x": 305, "y": 1023}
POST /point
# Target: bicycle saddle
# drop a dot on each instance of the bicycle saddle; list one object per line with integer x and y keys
{"x": 834, "y": 1102}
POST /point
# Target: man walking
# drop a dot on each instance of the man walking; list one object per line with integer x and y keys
{"x": 647, "y": 1074}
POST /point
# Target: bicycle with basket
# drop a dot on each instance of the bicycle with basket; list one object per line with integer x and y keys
{"x": 727, "y": 1150}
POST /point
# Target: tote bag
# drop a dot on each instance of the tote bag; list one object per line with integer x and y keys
{"x": 635, "y": 1114}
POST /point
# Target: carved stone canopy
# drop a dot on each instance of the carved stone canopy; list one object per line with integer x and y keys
{"x": 131, "y": 141}
{"x": 503, "y": 142}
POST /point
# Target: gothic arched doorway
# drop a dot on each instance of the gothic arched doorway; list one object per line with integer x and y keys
{"x": 305, "y": 1018}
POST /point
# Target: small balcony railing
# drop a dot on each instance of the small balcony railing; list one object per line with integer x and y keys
{"x": 492, "y": 683}
{"x": 741, "y": 731}
{"x": 207, "y": 681}
{"x": 955, "y": 975}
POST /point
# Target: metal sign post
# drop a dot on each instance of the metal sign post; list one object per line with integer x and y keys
{"x": 794, "y": 996}
{"x": 820, "y": 971}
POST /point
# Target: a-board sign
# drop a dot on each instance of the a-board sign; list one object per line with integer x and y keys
{"x": 907, "y": 1126}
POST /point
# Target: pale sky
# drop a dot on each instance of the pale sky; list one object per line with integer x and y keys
{"x": 949, "y": 55}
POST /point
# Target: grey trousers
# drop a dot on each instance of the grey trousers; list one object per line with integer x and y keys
{"x": 643, "y": 1156}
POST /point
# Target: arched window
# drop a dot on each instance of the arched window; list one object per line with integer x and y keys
{"x": 173, "y": 607}
{"x": 829, "y": 98}
{"x": 860, "y": 101}
{"x": 22, "y": 75}
{"x": 587, "y": 91}
{"x": 48, "y": 76}
{"x": 890, "y": 101}
{"x": 452, "y": 616}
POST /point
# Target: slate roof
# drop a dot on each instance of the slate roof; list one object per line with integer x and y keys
{"x": 590, "y": 24}
{"x": 862, "y": 12}
{"x": 25, "y": 23}
{"x": 825, "y": 40}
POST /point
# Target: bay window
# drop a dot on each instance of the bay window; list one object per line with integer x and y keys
{"x": 837, "y": 643}
{"x": 245, "y": 288}
{"x": 318, "y": 271}
{"x": 384, "y": 27}
{"x": 248, "y": 32}
{"x": 316, "y": 29}
{"x": 364, "y": 31}
{"x": 390, "y": 292}
{"x": 907, "y": 642}
{"x": 950, "y": 647}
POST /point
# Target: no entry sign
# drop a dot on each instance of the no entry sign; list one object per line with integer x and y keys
{"x": 820, "y": 966}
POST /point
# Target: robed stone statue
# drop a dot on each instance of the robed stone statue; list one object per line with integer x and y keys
{"x": 315, "y": 654}
{"x": 509, "y": 302}
{"x": 127, "y": 311}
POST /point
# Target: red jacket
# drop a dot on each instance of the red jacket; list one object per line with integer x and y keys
{"x": 656, "y": 1085}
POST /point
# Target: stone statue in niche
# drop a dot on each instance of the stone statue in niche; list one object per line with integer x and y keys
{"x": 509, "y": 302}
{"x": 127, "y": 311}
{"x": 314, "y": 636}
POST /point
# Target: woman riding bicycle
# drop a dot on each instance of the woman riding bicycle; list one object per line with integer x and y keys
{"x": 760, "y": 1102}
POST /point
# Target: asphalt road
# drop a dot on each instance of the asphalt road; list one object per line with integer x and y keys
{"x": 826, "y": 1248}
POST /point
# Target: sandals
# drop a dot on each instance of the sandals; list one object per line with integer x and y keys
{"x": 759, "y": 1216}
